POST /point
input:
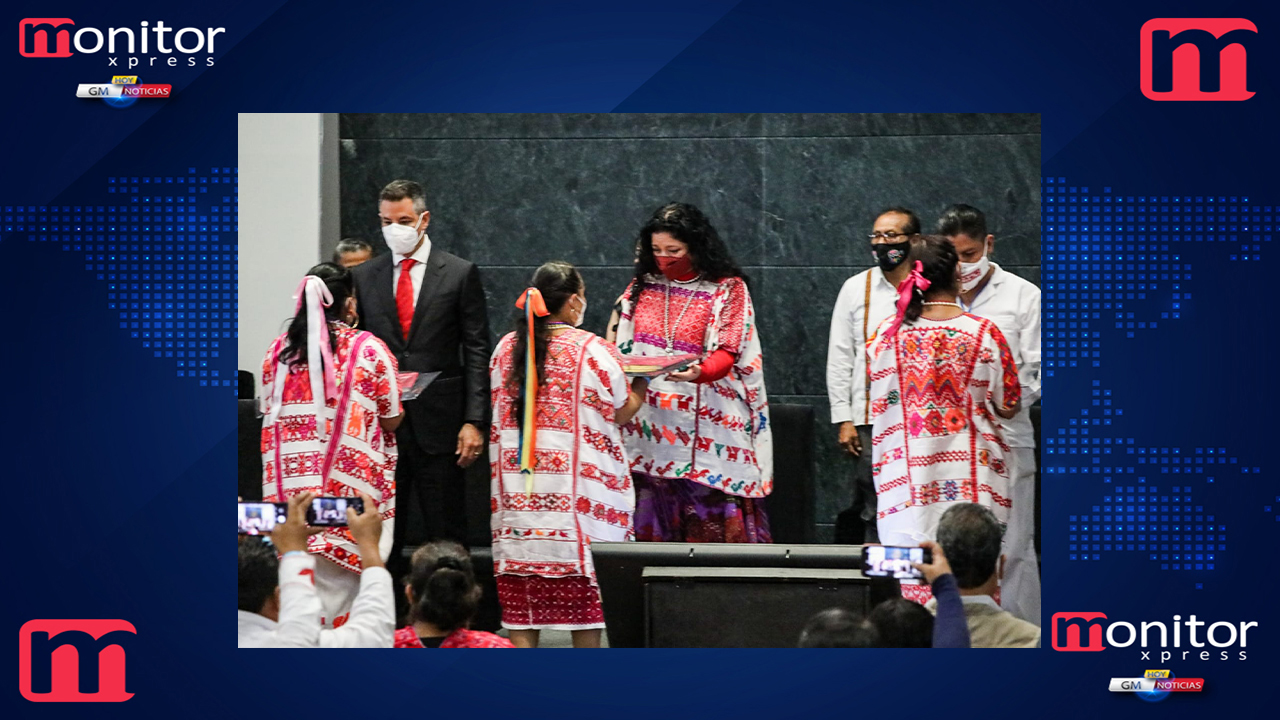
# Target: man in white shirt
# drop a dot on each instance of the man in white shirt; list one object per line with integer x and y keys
{"x": 278, "y": 603}
{"x": 865, "y": 301}
{"x": 1013, "y": 304}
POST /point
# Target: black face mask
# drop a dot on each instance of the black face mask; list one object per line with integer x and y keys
{"x": 890, "y": 255}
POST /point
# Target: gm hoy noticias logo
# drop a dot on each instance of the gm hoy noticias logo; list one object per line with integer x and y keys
{"x": 74, "y": 660}
{"x": 1087, "y": 632}
{"x": 1196, "y": 59}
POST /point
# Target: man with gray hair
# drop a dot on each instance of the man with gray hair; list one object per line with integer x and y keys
{"x": 970, "y": 537}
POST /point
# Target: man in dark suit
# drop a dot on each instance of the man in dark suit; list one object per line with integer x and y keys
{"x": 429, "y": 308}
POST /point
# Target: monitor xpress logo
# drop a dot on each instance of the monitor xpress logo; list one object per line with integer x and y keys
{"x": 143, "y": 46}
{"x": 1084, "y": 632}
{"x": 1196, "y": 59}
{"x": 74, "y": 660}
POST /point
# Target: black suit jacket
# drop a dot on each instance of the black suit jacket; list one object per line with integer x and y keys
{"x": 450, "y": 334}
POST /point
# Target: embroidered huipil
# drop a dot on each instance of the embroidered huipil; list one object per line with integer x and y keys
{"x": 716, "y": 434}
{"x": 582, "y": 490}
{"x": 361, "y": 456}
{"x": 935, "y": 439}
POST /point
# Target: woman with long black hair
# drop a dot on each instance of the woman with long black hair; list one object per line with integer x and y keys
{"x": 701, "y": 448}
{"x": 560, "y": 473}
{"x": 330, "y": 407}
{"x": 941, "y": 380}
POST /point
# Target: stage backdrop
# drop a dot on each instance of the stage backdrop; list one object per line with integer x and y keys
{"x": 794, "y": 197}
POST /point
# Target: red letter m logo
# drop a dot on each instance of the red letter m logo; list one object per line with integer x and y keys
{"x": 1069, "y": 632}
{"x": 74, "y": 660}
{"x": 40, "y": 37}
{"x": 1196, "y": 58}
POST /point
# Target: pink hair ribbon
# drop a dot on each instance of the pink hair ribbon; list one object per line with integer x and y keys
{"x": 320, "y": 366}
{"x": 913, "y": 282}
{"x": 532, "y": 303}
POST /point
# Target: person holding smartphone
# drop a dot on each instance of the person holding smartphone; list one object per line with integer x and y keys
{"x": 560, "y": 476}
{"x": 331, "y": 405}
{"x": 702, "y": 446}
{"x": 278, "y": 602}
{"x": 941, "y": 379}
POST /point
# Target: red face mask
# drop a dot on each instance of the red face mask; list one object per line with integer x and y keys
{"x": 675, "y": 268}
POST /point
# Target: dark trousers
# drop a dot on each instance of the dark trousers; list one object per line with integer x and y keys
{"x": 430, "y": 496}
{"x": 858, "y": 524}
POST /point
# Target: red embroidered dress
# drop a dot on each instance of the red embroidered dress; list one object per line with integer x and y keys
{"x": 582, "y": 490}
{"x": 715, "y": 434}
{"x": 361, "y": 456}
{"x": 936, "y": 440}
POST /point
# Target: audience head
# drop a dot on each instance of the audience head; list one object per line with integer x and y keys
{"x": 677, "y": 241}
{"x": 352, "y": 252}
{"x": 970, "y": 536}
{"x": 890, "y": 234}
{"x": 839, "y": 628}
{"x": 903, "y": 624}
{"x": 259, "y": 579}
{"x": 939, "y": 265}
{"x": 441, "y": 587}
{"x": 402, "y": 210}
{"x": 564, "y": 294}
{"x": 342, "y": 287}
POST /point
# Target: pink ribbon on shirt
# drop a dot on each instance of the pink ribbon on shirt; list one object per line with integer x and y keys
{"x": 914, "y": 281}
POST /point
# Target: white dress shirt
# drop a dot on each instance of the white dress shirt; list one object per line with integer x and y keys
{"x": 372, "y": 622}
{"x": 1013, "y": 304}
{"x": 416, "y": 273}
{"x": 299, "y": 625}
{"x": 847, "y": 343}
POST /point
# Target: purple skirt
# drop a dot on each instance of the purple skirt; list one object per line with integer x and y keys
{"x": 684, "y": 511}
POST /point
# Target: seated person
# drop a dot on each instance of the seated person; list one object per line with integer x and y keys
{"x": 970, "y": 535}
{"x": 839, "y": 628}
{"x": 443, "y": 596}
{"x": 278, "y": 603}
{"x": 901, "y": 623}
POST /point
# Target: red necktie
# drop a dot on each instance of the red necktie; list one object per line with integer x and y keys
{"x": 404, "y": 297}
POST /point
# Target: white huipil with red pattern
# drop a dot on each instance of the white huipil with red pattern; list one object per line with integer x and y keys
{"x": 936, "y": 439}
{"x": 715, "y": 434}
{"x": 363, "y": 454}
{"x": 582, "y": 490}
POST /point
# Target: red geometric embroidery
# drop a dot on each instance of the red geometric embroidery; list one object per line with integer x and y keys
{"x": 604, "y": 444}
{"x": 538, "y": 502}
{"x": 941, "y": 457}
{"x": 609, "y": 480}
{"x": 544, "y": 461}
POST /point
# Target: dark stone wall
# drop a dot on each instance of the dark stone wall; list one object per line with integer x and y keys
{"x": 792, "y": 195}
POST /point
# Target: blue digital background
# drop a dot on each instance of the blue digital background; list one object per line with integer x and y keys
{"x": 119, "y": 466}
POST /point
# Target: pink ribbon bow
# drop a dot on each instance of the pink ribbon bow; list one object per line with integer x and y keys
{"x": 320, "y": 366}
{"x": 913, "y": 282}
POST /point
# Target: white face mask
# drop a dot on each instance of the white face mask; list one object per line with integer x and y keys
{"x": 402, "y": 239}
{"x": 582, "y": 313}
{"x": 972, "y": 273}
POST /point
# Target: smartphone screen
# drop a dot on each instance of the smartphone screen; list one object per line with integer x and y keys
{"x": 332, "y": 511}
{"x": 259, "y": 518}
{"x": 891, "y": 561}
